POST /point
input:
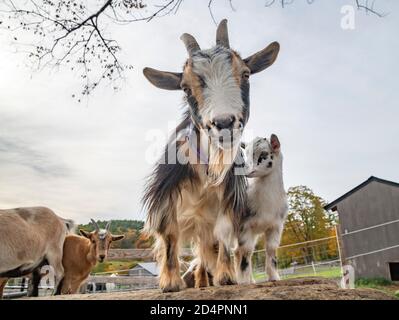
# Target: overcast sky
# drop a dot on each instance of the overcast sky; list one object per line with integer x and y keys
{"x": 331, "y": 97}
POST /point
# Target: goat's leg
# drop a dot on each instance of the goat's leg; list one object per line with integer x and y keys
{"x": 65, "y": 285}
{"x": 224, "y": 274}
{"x": 189, "y": 276}
{"x": 170, "y": 279}
{"x": 272, "y": 238}
{"x": 55, "y": 260}
{"x": 201, "y": 276}
{"x": 3, "y": 282}
{"x": 75, "y": 286}
{"x": 223, "y": 232}
{"x": 33, "y": 286}
{"x": 207, "y": 260}
{"x": 243, "y": 257}
{"x": 60, "y": 288}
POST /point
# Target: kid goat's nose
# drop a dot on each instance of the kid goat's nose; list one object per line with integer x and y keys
{"x": 225, "y": 122}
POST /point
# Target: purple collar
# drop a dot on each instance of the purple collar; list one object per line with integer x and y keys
{"x": 192, "y": 143}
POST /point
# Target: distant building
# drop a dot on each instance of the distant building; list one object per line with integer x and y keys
{"x": 369, "y": 228}
{"x": 145, "y": 269}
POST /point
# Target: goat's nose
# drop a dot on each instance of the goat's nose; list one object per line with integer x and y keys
{"x": 102, "y": 257}
{"x": 224, "y": 122}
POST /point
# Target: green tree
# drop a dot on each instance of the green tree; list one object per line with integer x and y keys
{"x": 307, "y": 220}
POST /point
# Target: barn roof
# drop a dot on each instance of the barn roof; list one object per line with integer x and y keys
{"x": 332, "y": 204}
{"x": 151, "y": 267}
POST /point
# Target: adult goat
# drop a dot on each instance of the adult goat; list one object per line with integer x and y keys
{"x": 30, "y": 238}
{"x": 194, "y": 193}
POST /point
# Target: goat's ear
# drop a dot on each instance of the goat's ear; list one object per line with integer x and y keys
{"x": 163, "y": 79}
{"x": 275, "y": 143}
{"x": 85, "y": 233}
{"x": 117, "y": 238}
{"x": 263, "y": 59}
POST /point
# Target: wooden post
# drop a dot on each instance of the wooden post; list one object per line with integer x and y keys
{"x": 339, "y": 249}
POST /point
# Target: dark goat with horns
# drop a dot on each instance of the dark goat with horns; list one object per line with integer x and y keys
{"x": 195, "y": 194}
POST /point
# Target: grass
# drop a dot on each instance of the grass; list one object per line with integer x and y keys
{"x": 109, "y": 266}
{"x": 334, "y": 272}
{"x": 381, "y": 284}
{"x": 372, "y": 282}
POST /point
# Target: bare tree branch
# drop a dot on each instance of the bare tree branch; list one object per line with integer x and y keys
{"x": 369, "y": 8}
{"x": 210, "y": 12}
{"x": 360, "y": 6}
{"x": 74, "y": 33}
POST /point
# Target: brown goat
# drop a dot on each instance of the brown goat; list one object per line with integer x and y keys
{"x": 81, "y": 254}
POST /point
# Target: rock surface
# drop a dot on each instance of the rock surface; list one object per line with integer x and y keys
{"x": 301, "y": 289}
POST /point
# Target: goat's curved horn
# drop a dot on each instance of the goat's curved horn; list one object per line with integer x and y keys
{"x": 191, "y": 44}
{"x": 108, "y": 225}
{"x": 222, "y": 35}
{"x": 95, "y": 225}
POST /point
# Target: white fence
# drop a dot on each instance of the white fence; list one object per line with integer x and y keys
{"x": 311, "y": 263}
{"x": 318, "y": 257}
{"x": 111, "y": 281}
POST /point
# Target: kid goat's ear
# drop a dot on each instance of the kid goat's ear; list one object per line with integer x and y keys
{"x": 275, "y": 143}
{"x": 85, "y": 233}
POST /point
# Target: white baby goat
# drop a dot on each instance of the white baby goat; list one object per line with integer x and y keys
{"x": 267, "y": 207}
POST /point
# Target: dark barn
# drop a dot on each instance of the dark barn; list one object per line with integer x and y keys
{"x": 369, "y": 228}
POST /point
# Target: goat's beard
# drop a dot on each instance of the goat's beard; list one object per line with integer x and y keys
{"x": 220, "y": 162}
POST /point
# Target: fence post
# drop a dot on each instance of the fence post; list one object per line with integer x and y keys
{"x": 339, "y": 250}
{"x": 23, "y": 284}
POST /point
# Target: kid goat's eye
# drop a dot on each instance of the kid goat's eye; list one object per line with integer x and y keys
{"x": 264, "y": 155}
{"x": 245, "y": 75}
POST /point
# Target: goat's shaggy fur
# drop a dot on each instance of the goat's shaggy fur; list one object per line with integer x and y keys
{"x": 203, "y": 201}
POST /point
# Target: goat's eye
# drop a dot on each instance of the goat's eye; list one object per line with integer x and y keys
{"x": 263, "y": 156}
{"x": 245, "y": 75}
